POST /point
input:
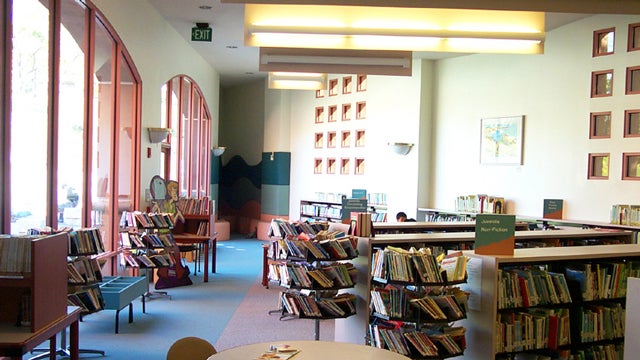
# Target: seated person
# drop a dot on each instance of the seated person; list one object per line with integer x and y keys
{"x": 402, "y": 217}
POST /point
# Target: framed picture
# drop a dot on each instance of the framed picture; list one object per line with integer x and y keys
{"x": 501, "y": 140}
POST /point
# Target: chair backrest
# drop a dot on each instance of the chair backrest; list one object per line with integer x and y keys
{"x": 190, "y": 348}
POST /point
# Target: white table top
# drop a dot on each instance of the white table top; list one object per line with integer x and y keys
{"x": 311, "y": 350}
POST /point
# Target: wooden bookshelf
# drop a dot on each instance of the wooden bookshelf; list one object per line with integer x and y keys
{"x": 355, "y": 328}
{"x": 483, "y": 286}
{"x": 45, "y": 286}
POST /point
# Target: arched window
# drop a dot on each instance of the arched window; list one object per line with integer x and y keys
{"x": 73, "y": 119}
{"x": 187, "y": 151}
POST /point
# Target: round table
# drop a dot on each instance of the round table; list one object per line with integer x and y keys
{"x": 311, "y": 350}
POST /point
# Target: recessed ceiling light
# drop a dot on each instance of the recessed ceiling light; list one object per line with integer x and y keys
{"x": 205, "y": 7}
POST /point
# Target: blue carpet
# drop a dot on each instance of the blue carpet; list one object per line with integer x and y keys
{"x": 201, "y": 309}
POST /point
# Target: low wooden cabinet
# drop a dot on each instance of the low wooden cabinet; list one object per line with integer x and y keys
{"x": 40, "y": 292}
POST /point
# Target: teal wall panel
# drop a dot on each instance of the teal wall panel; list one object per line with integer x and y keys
{"x": 275, "y": 200}
{"x": 278, "y": 170}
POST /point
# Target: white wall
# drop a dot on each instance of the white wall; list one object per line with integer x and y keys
{"x": 393, "y": 115}
{"x": 159, "y": 54}
{"x": 553, "y": 92}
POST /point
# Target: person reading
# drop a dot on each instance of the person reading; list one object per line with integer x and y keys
{"x": 402, "y": 217}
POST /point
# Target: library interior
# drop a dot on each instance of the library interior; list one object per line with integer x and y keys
{"x": 230, "y": 174}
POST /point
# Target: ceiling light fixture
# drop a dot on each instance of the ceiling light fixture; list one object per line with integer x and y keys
{"x": 387, "y": 28}
{"x": 297, "y": 81}
{"x": 338, "y": 61}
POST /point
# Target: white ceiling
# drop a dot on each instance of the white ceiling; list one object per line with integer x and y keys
{"x": 237, "y": 63}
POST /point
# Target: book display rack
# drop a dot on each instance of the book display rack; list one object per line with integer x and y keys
{"x": 416, "y": 303}
{"x": 314, "y": 272}
{"x": 565, "y": 302}
{"x": 147, "y": 244}
{"x": 83, "y": 270}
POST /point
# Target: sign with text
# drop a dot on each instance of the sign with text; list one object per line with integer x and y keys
{"x": 495, "y": 234}
{"x": 552, "y": 209}
{"x": 359, "y": 193}
{"x": 352, "y": 205}
{"x": 201, "y": 34}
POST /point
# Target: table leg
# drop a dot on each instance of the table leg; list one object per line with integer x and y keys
{"x": 130, "y": 312}
{"x": 214, "y": 243}
{"x": 74, "y": 340}
{"x": 265, "y": 267}
{"x": 206, "y": 261}
{"x": 52, "y": 348}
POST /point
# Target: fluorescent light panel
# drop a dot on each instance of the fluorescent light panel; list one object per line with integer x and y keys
{"x": 297, "y": 81}
{"x": 378, "y": 28}
{"x": 336, "y": 61}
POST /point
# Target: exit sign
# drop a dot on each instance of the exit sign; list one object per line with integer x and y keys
{"x": 201, "y": 34}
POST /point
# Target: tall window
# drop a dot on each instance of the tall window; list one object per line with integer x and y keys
{"x": 73, "y": 119}
{"x": 186, "y": 113}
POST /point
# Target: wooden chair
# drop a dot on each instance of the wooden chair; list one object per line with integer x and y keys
{"x": 192, "y": 348}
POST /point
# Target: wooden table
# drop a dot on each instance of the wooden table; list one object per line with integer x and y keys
{"x": 311, "y": 350}
{"x": 205, "y": 241}
{"x": 15, "y": 341}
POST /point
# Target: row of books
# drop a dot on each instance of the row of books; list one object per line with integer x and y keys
{"x": 285, "y": 229}
{"x": 604, "y": 280}
{"x": 540, "y": 328}
{"x": 449, "y": 343}
{"x": 480, "y": 203}
{"x": 448, "y": 307}
{"x": 138, "y": 219}
{"x": 391, "y": 302}
{"x": 325, "y": 276}
{"x": 147, "y": 259}
{"x": 330, "y": 249}
{"x": 133, "y": 240}
{"x": 88, "y": 298}
{"x": 84, "y": 270}
{"x": 597, "y": 352}
{"x": 417, "y": 265}
{"x": 531, "y": 286}
{"x": 195, "y": 206}
{"x": 321, "y": 211}
{"x": 307, "y": 305}
{"x": 85, "y": 241}
{"x": 599, "y": 322}
{"x": 15, "y": 254}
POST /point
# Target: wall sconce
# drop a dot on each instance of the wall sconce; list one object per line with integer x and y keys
{"x": 218, "y": 150}
{"x": 158, "y": 135}
{"x": 400, "y": 148}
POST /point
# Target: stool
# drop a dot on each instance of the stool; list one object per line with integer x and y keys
{"x": 223, "y": 228}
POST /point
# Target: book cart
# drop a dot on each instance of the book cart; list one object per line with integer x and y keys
{"x": 550, "y": 302}
{"x": 314, "y": 272}
{"x": 147, "y": 245}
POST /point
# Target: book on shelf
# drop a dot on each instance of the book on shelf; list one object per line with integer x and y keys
{"x": 455, "y": 266}
{"x": 15, "y": 254}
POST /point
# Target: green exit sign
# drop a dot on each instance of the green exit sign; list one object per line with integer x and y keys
{"x": 201, "y": 34}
